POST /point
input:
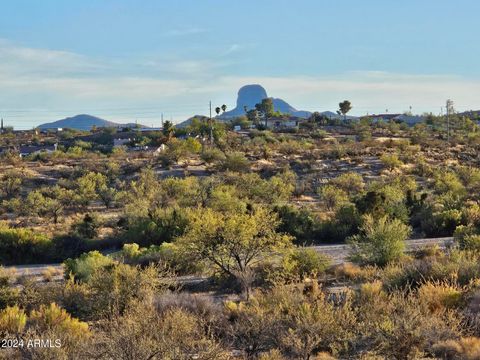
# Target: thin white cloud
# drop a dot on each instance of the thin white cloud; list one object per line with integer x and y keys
{"x": 20, "y": 60}
{"x": 232, "y": 49}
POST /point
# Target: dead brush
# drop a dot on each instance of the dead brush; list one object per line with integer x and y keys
{"x": 50, "y": 273}
{"x": 440, "y": 295}
{"x": 467, "y": 348}
{"x": 7, "y": 276}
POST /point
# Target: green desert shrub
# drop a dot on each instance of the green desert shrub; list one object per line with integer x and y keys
{"x": 467, "y": 238}
{"x": 303, "y": 262}
{"x": 236, "y": 162}
{"x": 167, "y": 254}
{"x": 212, "y": 155}
{"x": 23, "y": 246}
{"x": 159, "y": 226}
{"x": 84, "y": 266}
{"x": 380, "y": 241}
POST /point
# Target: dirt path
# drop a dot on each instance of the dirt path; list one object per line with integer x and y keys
{"x": 338, "y": 253}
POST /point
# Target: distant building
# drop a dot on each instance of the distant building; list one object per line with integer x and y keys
{"x": 36, "y": 149}
{"x": 408, "y": 119}
{"x": 121, "y": 142}
{"x": 150, "y": 129}
{"x": 51, "y": 130}
{"x": 382, "y": 117}
{"x": 283, "y": 122}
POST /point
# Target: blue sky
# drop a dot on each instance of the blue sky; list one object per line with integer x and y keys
{"x": 126, "y": 60}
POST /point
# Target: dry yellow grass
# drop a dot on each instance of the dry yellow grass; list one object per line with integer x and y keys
{"x": 439, "y": 295}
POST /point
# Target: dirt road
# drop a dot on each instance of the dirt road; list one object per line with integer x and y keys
{"x": 338, "y": 253}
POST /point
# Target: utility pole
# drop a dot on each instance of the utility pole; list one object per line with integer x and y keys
{"x": 211, "y": 123}
{"x": 449, "y": 109}
{"x": 162, "y": 120}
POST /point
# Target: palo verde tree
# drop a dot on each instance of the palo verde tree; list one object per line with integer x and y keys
{"x": 343, "y": 108}
{"x": 233, "y": 242}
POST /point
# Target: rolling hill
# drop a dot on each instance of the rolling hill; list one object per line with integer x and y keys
{"x": 82, "y": 122}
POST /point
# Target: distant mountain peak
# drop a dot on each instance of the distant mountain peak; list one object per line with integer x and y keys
{"x": 249, "y": 95}
{"x": 252, "y": 94}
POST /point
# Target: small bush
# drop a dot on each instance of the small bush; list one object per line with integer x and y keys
{"x": 7, "y": 276}
{"x": 56, "y": 319}
{"x": 84, "y": 266}
{"x": 333, "y": 197}
{"x": 49, "y": 273}
{"x": 301, "y": 263}
{"x": 131, "y": 251}
{"x": 428, "y": 251}
{"x": 467, "y": 238}
{"x": 439, "y": 295}
{"x": 465, "y": 348}
{"x": 391, "y": 162}
{"x": 88, "y": 227}
{"x": 12, "y": 320}
{"x": 235, "y": 161}
{"x": 348, "y": 271}
{"x": 371, "y": 291}
{"x": 212, "y": 155}
{"x": 22, "y": 246}
{"x": 380, "y": 241}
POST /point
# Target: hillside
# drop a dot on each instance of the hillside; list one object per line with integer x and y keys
{"x": 81, "y": 122}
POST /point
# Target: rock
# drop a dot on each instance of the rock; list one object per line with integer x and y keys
{"x": 249, "y": 95}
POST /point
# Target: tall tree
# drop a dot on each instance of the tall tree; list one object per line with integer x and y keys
{"x": 168, "y": 129}
{"x": 266, "y": 109}
{"x": 224, "y": 107}
{"x": 234, "y": 242}
{"x": 344, "y": 107}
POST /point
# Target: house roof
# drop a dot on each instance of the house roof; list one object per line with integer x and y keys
{"x": 35, "y": 148}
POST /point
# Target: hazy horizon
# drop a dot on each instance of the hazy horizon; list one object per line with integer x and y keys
{"x": 124, "y": 62}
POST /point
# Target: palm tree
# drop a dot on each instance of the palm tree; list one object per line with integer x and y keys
{"x": 224, "y": 107}
{"x": 217, "y": 110}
